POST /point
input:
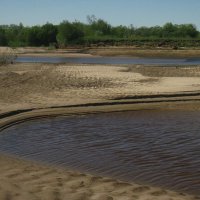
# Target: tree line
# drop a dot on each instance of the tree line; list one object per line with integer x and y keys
{"x": 96, "y": 31}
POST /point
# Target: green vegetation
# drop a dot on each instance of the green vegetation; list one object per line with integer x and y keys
{"x": 69, "y": 33}
{"x": 98, "y": 32}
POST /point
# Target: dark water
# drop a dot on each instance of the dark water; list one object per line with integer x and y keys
{"x": 109, "y": 60}
{"x": 156, "y": 148}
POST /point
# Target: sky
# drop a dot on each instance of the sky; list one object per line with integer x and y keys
{"x": 116, "y": 12}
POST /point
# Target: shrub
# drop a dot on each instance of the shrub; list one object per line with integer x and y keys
{"x": 7, "y": 58}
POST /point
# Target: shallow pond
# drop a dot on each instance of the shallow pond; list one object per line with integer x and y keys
{"x": 150, "y": 147}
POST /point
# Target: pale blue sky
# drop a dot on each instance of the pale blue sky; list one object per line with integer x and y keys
{"x": 117, "y": 12}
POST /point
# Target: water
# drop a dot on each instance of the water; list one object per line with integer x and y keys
{"x": 109, "y": 60}
{"x": 150, "y": 147}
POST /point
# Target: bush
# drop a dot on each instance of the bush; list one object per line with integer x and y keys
{"x": 7, "y": 58}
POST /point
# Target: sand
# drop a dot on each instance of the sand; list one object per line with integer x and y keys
{"x": 24, "y": 86}
{"x": 40, "y": 87}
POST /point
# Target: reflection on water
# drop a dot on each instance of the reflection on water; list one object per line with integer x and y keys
{"x": 158, "y": 148}
{"x": 109, "y": 60}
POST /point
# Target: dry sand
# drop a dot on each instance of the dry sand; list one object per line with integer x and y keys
{"x": 25, "y": 86}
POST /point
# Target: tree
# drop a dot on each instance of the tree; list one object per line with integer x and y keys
{"x": 121, "y": 31}
{"x": 34, "y": 36}
{"x": 3, "y": 39}
{"x": 69, "y": 33}
{"x": 169, "y": 30}
{"x": 98, "y": 27}
{"x": 101, "y": 27}
{"x": 96, "y": 31}
{"x": 48, "y": 34}
{"x": 91, "y": 19}
{"x": 188, "y": 30}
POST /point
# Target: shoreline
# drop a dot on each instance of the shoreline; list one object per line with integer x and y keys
{"x": 110, "y": 51}
{"x": 14, "y": 117}
{"x": 113, "y": 51}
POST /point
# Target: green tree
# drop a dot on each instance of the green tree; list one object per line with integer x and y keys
{"x": 188, "y": 30}
{"x": 34, "y": 36}
{"x": 48, "y": 34}
{"x": 101, "y": 27}
{"x": 3, "y": 39}
{"x": 69, "y": 33}
{"x": 169, "y": 30}
{"x": 121, "y": 31}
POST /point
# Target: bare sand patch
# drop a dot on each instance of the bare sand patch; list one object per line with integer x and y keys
{"x": 45, "y": 85}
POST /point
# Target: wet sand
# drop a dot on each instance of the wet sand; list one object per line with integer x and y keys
{"x": 30, "y": 91}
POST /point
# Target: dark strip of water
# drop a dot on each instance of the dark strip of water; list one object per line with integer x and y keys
{"x": 108, "y": 60}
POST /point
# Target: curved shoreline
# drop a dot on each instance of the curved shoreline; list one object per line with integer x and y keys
{"x": 176, "y": 101}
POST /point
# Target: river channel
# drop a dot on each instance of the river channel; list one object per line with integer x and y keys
{"x": 109, "y": 60}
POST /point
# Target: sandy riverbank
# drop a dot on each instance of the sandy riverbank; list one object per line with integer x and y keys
{"x": 25, "y": 86}
{"x": 42, "y": 86}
